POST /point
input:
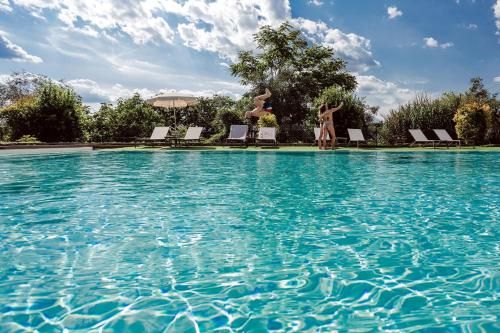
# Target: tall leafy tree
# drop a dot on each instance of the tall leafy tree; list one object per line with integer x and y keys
{"x": 133, "y": 117}
{"x": 53, "y": 113}
{"x": 295, "y": 70}
{"x": 19, "y": 85}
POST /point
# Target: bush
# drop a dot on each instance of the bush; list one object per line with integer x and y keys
{"x": 53, "y": 113}
{"x": 60, "y": 114}
{"x": 268, "y": 121}
{"x": 224, "y": 118}
{"x": 19, "y": 118}
{"x": 471, "y": 122}
{"x": 130, "y": 118}
{"x": 422, "y": 112}
{"x": 28, "y": 139}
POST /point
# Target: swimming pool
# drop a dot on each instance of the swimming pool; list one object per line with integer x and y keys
{"x": 251, "y": 242}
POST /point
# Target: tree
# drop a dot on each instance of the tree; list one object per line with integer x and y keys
{"x": 53, "y": 113}
{"x": 477, "y": 93}
{"x": 19, "y": 85}
{"x": 103, "y": 124}
{"x": 224, "y": 118}
{"x": 471, "y": 122}
{"x": 60, "y": 114}
{"x": 351, "y": 115}
{"x": 132, "y": 117}
{"x": 19, "y": 118}
{"x": 295, "y": 71}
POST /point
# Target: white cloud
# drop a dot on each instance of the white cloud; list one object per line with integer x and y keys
{"x": 316, "y": 2}
{"x": 496, "y": 11}
{"x": 11, "y": 51}
{"x": 226, "y": 26}
{"x": 385, "y": 94}
{"x": 431, "y": 42}
{"x": 134, "y": 18}
{"x": 90, "y": 91}
{"x": 472, "y": 26}
{"x": 394, "y": 12}
{"x": 220, "y": 26}
{"x": 348, "y": 46}
{"x": 93, "y": 93}
{"x": 496, "y": 79}
{"x": 446, "y": 45}
{"x": 5, "y": 6}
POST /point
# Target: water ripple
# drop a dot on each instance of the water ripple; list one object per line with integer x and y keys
{"x": 200, "y": 242}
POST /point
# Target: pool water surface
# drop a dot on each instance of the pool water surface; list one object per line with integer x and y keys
{"x": 249, "y": 242}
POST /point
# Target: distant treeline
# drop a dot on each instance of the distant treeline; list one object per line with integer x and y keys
{"x": 301, "y": 76}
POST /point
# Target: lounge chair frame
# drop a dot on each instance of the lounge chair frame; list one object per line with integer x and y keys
{"x": 420, "y": 137}
{"x": 444, "y": 137}
{"x": 193, "y": 135}
{"x": 356, "y": 135}
{"x": 266, "y": 135}
{"x": 242, "y": 139}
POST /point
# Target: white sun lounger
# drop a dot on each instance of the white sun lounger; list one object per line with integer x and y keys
{"x": 193, "y": 134}
{"x": 443, "y": 136}
{"x": 355, "y": 134}
{"x": 266, "y": 134}
{"x": 159, "y": 133}
{"x": 420, "y": 137}
{"x": 238, "y": 133}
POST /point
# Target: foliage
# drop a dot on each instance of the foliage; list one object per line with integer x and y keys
{"x": 295, "y": 71}
{"x": 471, "y": 122}
{"x": 491, "y": 106}
{"x": 180, "y": 131}
{"x": 268, "y": 121}
{"x": 422, "y": 112}
{"x": 224, "y": 118}
{"x": 130, "y": 118}
{"x": 202, "y": 114}
{"x": 19, "y": 118}
{"x": 53, "y": 113}
{"x": 103, "y": 124}
{"x": 60, "y": 114}
{"x": 28, "y": 139}
{"x": 18, "y": 86}
{"x": 493, "y": 122}
{"x": 351, "y": 115}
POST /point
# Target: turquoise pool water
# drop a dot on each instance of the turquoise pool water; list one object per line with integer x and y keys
{"x": 250, "y": 242}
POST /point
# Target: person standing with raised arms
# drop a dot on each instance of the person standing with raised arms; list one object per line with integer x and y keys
{"x": 326, "y": 121}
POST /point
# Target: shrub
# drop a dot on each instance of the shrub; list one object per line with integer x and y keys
{"x": 60, "y": 114}
{"x": 53, "y": 113}
{"x": 131, "y": 117}
{"x": 471, "y": 122}
{"x": 268, "y": 121}
{"x": 422, "y": 112}
{"x": 224, "y": 118}
{"x": 28, "y": 139}
{"x": 19, "y": 118}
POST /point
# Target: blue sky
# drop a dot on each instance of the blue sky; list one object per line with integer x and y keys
{"x": 110, "y": 49}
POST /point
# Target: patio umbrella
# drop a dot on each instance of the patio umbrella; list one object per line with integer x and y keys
{"x": 173, "y": 100}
